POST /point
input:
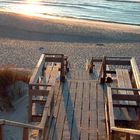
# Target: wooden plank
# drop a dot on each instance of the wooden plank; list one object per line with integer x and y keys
{"x": 55, "y": 74}
{"x": 36, "y": 118}
{"x": 77, "y": 112}
{"x": 37, "y": 70}
{"x": 119, "y": 57}
{"x": 75, "y": 130}
{"x": 127, "y": 89}
{"x": 110, "y": 106}
{"x": 25, "y": 134}
{"x": 57, "y": 96}
{"x": 21, "y": 125}
{"x": 54, "y": 54}
{"x": 126, "y": 130}
{"x": 1, "y": 132}
{"x": 126, "y": 97}
{"x": 38, "y": 92}
{"x": 122, "y": 105}
{"x": 68, "y": 130}
{"x": 97, "y": 70}
{"x": 54, "y": 134}
{"x": 62, "y": 113}
{"x": 39, "y": 101}
{"x": 136, "y": 72}
{"x": 53, "y": 59}
{"x": 30, "y": 106}
{"x": 127, "y": 83}
{"x": 48, "y": 72}
{"x": 101, "y": 113}
{"x": 118, "y": 62}
{"x": 66, "y": 126}
{"x": 121, "y": 84}
{"x": 76, "y": 73}
{"x": 85, "y": 112}
{"x": 107, "y": 120}
{"x": 52, "y": 73}
{"x": 47, "y": 108}
{"x": 93, "y": 111}
{"x": 51, "y": 121}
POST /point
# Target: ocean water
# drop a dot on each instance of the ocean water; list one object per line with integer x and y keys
{"x": 121, "y": 11}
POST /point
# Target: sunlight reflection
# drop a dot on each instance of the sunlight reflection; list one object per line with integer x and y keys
{"x": 31, "y": 7}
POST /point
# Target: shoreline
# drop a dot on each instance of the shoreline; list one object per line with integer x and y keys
{"x": 48, "y": 16}
{"x": 73, "y": 21}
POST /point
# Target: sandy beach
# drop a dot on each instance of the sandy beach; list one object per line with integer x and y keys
{"x": 23, "y": 38}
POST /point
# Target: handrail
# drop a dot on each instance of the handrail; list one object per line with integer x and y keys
{"x": 54, "y": 54}
{"x": 136, "y": 72}
{"x": 37, "y": 69}
{"x": 19, "y": 124}
{"x": 128, "y": 89}
{"x": 38, "y": 84}
{"x": 126, "y": 130}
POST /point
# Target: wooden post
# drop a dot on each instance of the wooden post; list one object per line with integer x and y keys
{"x": 91, "y": 66}
{"x": 30, "y": 105}
{"x": 62, "y": 74}
{"x": 112, "y": 135}
{"x": 104, "y": 70}
{"x": 67, "y": 68}
{"x": 40, "y": 135}
{"x": 25, "y": 134}
{"x": 127, "y": 136}
{"x": 1, "y": 132}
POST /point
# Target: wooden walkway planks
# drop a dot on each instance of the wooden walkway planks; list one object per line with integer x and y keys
{"x": 85, "y": 112}
{"x": 79, "y": 74}
{"x": 79, "y": 111}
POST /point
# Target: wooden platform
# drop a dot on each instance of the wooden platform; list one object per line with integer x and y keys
{"x": 79, "y": 110}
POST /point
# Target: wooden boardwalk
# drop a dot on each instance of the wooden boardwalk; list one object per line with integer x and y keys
{"x": 79, "y": 109}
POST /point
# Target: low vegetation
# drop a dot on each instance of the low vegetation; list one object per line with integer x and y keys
{"x": 8, "y": 77}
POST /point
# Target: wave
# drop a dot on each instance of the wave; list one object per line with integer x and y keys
{"x": 86, "y": 6}
{"x": 127, "y": 1}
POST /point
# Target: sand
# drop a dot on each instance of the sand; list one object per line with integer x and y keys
{"x": 23, "y": 38}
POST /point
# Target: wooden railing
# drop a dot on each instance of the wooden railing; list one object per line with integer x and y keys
{"x": 38, "y": 76}
{"x": 110, "y": 96}
{"x": 26, "y": 128}
{"x": 42, "y": 90}
{"x": 123, "y": 61}
{"x": 39, "y": 68}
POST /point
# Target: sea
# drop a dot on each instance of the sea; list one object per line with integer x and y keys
{"x": 118, "y": 11}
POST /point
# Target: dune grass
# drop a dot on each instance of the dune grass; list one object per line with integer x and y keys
{"x": 9, "y": 76}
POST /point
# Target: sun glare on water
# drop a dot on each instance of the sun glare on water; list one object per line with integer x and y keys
{"x": 30, "y": 7}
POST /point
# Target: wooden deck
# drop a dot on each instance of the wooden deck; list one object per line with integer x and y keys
{"x": 79, "y": 109}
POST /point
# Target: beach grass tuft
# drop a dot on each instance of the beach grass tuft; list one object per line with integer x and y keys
{"x": 9, "y": 76}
